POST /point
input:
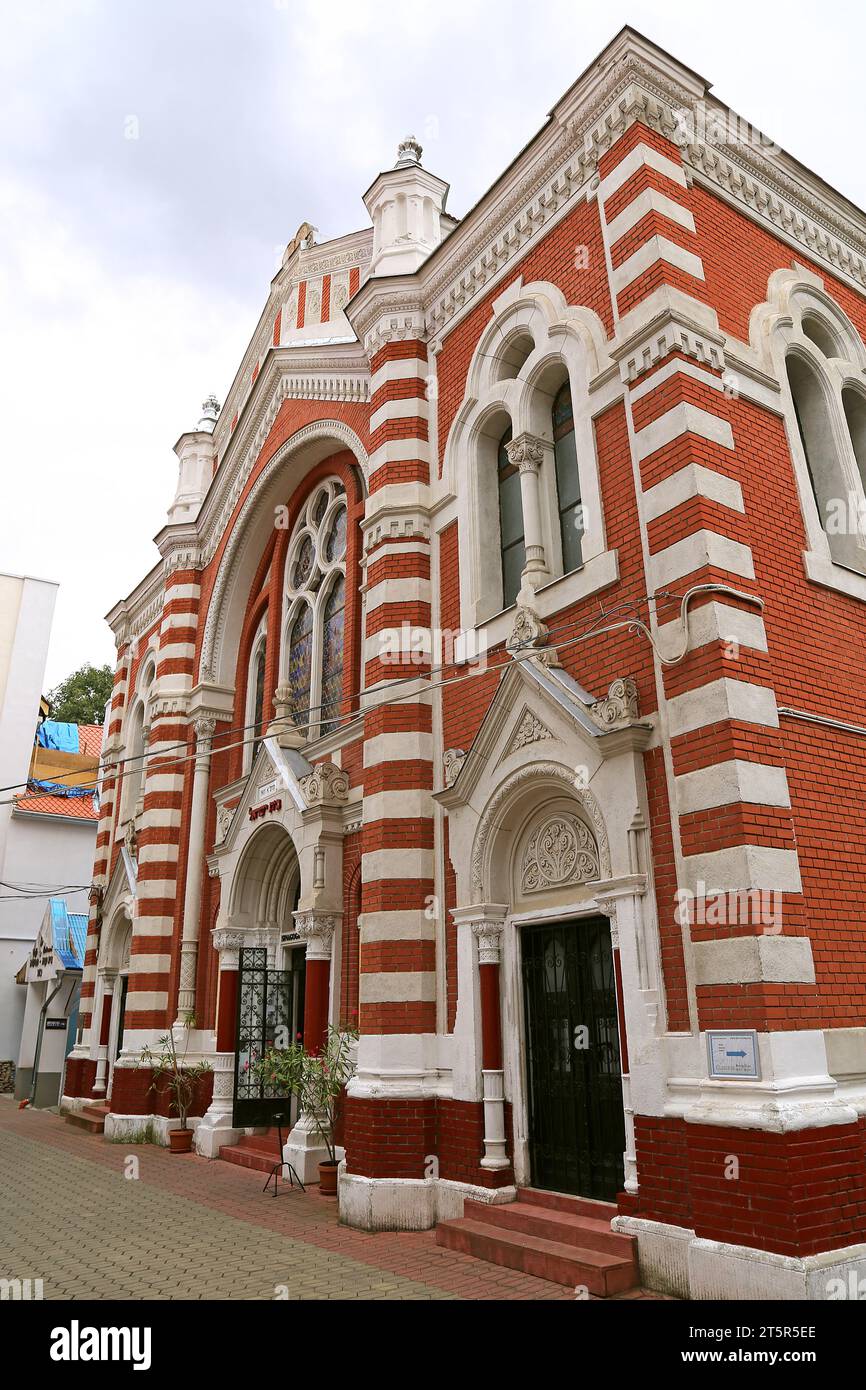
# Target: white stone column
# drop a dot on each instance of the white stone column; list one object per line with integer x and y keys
{"x": 527, "y": 454}
{"x": 305, "y": 1149}
{"x": 488, "y": 934}
{"x": 204, "y": 727}
{"x": 104, "y": 1025}
{"x": 216, "y": 1128}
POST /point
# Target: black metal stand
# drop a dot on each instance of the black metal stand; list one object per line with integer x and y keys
{"x": 277, "y": 1171}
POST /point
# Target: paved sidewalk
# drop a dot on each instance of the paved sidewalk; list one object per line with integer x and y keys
{"x": 179, "y": 1227}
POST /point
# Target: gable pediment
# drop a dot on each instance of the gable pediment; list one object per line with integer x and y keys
{"x": 537, "y": 703}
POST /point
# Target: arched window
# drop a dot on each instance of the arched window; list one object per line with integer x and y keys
{"x": 258, "y": 696}
{"x": 315, "y": 603}
{"x": 512, "y": 549}
{"x": 136, "y": 743}
{"x": 332, "y": 651}
{"x": 854, "y": 405}
{"x": 301, "y": 662}
{"x": 567, "y": 481}
{"x": 810, "y": 409}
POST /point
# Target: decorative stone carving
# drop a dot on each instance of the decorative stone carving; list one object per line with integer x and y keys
{"x": 452, "y": 760}
{"x": 130, "y": 839}
{"x": 317, "y": 930}
{"x": 326, "y": 785}
{"x": 488, "y": 934}
{"x": 619, "y": 708}
{"x": 525, "y": 453}
{"x": 228, "y": 941}
{"x": 529, "y": 730}
{"x": 224, "y": 818}
{"x": 491, "y": 818}
{"x": 205, "y": 727}
{"x": 560, "y": 851}
{"x": 528, "y": 630}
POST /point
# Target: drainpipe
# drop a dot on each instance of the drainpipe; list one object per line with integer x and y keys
{"x": 39, "y": 1032}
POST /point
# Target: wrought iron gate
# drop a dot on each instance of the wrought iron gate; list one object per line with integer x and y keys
{"x": 576, "y": 1121}
{"x": 268, "y": 1001}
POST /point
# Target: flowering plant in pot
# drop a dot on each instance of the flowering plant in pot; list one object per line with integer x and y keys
{"x": 318, "y": 1081}
{"x": 170, "y": 1068}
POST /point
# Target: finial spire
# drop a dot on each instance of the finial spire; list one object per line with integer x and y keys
{"x": 408, "y": 152}
{"x": 210, "y": 409}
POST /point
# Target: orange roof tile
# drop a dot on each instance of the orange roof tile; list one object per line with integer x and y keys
{"x": 76, "y": 807}
{"x": 90, "y": 739}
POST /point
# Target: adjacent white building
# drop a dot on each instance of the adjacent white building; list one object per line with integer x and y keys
{"x": 46, "y": 842}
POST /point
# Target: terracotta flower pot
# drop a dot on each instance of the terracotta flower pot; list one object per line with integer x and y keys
{"x": 328, "y": 1178}
{"x": 180, "y": 1141}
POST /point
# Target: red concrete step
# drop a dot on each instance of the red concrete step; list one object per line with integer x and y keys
{"x": 257, "y": 1151}
{"x": 564, "y": 1201}
{"x": 89, "y": 1117}
{"x": 602, "y": 1274}
{"x": 585, "y": 1233}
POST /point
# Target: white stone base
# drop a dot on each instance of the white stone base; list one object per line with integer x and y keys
{"x": 131, "y": 1129}
{"x": 214, "y": 1132}
{"x": 305, "y": 1151}
{"x": 408, "y": 1204}
{"x": 69, "y": 1104}
{"x": 674, "y": 1260}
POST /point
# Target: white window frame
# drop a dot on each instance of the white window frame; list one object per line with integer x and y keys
{"x": 776, "y": 331}
{"x": 316, "y": 596}
{"x": 506, "y": 384}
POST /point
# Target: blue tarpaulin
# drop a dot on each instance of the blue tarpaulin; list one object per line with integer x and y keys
{"x": 58, "y": 788}
{"x": 63, "y": 737}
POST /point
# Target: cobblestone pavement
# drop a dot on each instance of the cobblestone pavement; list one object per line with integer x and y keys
{"x": 186, "y": 1228}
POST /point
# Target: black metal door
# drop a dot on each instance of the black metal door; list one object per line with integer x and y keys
{"x": 266, "y": 1000}
{"x": 576, "y": 1121}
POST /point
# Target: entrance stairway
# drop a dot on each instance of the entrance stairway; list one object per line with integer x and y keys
{"x": 89, "y": 1117}
{"x": 565, "y": 1239}
{"x": 258, "y": 1151}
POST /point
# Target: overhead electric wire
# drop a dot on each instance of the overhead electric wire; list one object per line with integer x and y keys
{"x": 633, "y": 623}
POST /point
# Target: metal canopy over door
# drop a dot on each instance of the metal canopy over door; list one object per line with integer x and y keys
{"x": 268, "y": 1000}
{"x": 574, "y": 1080}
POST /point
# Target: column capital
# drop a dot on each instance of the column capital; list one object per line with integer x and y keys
{"x": 228, "y": 941}
{"x": 488, "y": 934}
{"x": 317, "y": 930}
{"x": 204, "y": 726}
{"x": 526, "y": 452}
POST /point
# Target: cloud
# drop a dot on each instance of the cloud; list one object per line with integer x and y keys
{"x": 156, "y": 155}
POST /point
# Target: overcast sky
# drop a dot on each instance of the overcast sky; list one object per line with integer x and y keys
{"x": 157, "y": 155}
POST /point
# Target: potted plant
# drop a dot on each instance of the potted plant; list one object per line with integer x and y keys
{"x": 318, "y": 1083}
{"x": 180, "y": 1078}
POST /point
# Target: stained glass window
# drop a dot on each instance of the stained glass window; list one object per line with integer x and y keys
{"x": 332, "y": 652}
{"x": 258, "y": 698}
{"x": 303, "y": 566}
{"x": 511, "y": 543}
{"x": 335, "y": 545}
{"x": 316, "y": 582}
{"x": 567, "y": 481}
{"x": 300, "y": 663}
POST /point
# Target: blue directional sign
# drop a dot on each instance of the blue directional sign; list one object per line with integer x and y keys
{"x": 731, "y": 1055}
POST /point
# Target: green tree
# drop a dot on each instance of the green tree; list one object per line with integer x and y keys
{"x": 82, "y": 697}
